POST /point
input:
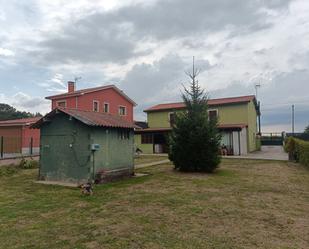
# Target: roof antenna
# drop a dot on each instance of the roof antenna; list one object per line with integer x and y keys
{"x": 77, "y": 78}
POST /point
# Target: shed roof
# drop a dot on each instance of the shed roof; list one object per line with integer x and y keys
{"x": 19, "y": 122}
{"x": 89, "y": 118}
{"x": 90, "y": 90}
{"x": 211, "y": 102}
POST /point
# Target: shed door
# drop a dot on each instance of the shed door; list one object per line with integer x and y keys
{"x": 64, "y": 159}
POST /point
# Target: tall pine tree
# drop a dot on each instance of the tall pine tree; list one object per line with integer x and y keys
{"x": 195, "y": 140}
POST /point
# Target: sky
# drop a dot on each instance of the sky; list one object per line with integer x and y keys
{"x": 145, "y": 48}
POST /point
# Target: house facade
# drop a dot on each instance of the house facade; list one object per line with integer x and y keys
{"x": 237, "y": 118}
{"x": 16, "y": 137}
{"x": 78, "y": 146}
{"x": 107, "y": 99}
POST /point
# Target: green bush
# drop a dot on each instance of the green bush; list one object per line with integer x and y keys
{"x": 28, "y": 164}
{"x": 298, "y": 150}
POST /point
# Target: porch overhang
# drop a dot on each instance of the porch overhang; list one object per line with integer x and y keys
{"x": 153, "y": 130}
{"x": 232, "y": 127}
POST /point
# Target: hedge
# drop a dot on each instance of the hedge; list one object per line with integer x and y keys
{"x": 298, "y": 150}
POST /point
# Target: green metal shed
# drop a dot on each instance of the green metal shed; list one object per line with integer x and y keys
{"x": 77, "y": 146}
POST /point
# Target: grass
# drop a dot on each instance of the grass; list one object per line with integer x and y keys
{"x": 245, "y": 204}
{"x": 148, "y": 159}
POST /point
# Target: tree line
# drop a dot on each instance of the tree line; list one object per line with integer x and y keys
{"x": 8, "y": 112}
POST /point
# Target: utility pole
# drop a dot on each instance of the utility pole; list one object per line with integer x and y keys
{"x": 293, "y": 119}
{"x": 258, "y": 85}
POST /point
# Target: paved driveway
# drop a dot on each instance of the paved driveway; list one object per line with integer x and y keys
{"x": 267, "y": 152}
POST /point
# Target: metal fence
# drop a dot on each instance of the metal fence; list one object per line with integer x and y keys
{"x": 272, "y": 138}
{"x": 18, "y": 146}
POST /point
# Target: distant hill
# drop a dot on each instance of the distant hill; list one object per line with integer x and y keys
{"x": 8, "y": 112}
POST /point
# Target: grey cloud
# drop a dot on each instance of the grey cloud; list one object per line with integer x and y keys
{"x": 88, "y": 42}
{"x": 113, "y": 36}
{"x": 161, "y": 81}
{"x": 167, "y": 19}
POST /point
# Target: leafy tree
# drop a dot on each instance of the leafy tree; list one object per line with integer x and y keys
{"x": 307, "y": 130}
{"x": 8, "y": 112}
{"x": 195, "y": 140}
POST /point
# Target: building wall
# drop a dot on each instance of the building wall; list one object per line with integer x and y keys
{"x": 12, "y": 138}
{"x": 228, "y": 114}
{"x": 242, "y": 113}
{"x": 27, "y": 134}
{"x": 66, "y": 152}
{"x": 232, "y": 114}
{"x": 85, "y": 102}
{"x": 253, "y": 144}
{"x": 146, "y": 148}
{"x": 159, "y": 119}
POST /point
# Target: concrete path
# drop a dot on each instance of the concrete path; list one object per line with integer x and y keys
{"x": 8, "y": 161}
{"x": 266, "y": 153}
{"x": 64, "y": 184}
{"x": 144, "y": 165}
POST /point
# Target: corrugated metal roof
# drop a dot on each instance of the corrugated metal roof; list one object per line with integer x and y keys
{"x": 19, "y": 122}
{"x": 90, "y": 90}
{"x": 211, "y": 102}
{"x": 89, "y": 118}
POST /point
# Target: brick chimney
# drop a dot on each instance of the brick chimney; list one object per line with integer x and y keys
{"x": 71, "y": 86}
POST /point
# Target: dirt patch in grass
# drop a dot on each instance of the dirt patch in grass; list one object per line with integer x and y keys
{"x": 245, "y": 204}
{"x": 148, "y": 159}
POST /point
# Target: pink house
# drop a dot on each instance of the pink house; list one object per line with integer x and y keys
{"x": 105, "y": 99}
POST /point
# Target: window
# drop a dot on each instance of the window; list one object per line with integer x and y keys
{"x": 147, "y": 138}
{"x": 212, "y": 114}
{"x": 171, "y": 117}
{"x": 123, "y": 134}
{"x": 122, "y": 110}
{"x": 62, "y": 103}
{"x": 95, "y": 106}
{"x": 106, "y": 107}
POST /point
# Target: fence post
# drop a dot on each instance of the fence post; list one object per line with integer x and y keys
{"x": 31, "y": 146}
{"x": 1, "y": 145}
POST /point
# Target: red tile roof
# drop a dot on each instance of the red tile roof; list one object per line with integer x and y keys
{"x": 90, "y": 90}
{"x": 89, "y": 118}
{"x": 19, "y": 122}
{"x": 211, "y": 102}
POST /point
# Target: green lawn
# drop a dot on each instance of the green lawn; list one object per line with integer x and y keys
{"x": 246, "y": 204}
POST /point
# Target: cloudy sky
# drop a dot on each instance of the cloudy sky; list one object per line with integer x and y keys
{"x": 144, "y": 47}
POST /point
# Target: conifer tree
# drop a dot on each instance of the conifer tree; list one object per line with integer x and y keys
{"x": 194, "y": 141}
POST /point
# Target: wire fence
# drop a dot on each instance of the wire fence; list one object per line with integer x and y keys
{"x": 19, "y": 146}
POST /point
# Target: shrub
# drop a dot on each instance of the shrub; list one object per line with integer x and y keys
{"x": 298, "y": 150}
{"x": 28, "y": 164}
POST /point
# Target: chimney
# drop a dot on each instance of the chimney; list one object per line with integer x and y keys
{"x": 71, "y": 86}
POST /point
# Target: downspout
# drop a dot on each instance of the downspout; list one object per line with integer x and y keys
{"x": 76, "y": 102}
{"x": 259, "y": 117}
